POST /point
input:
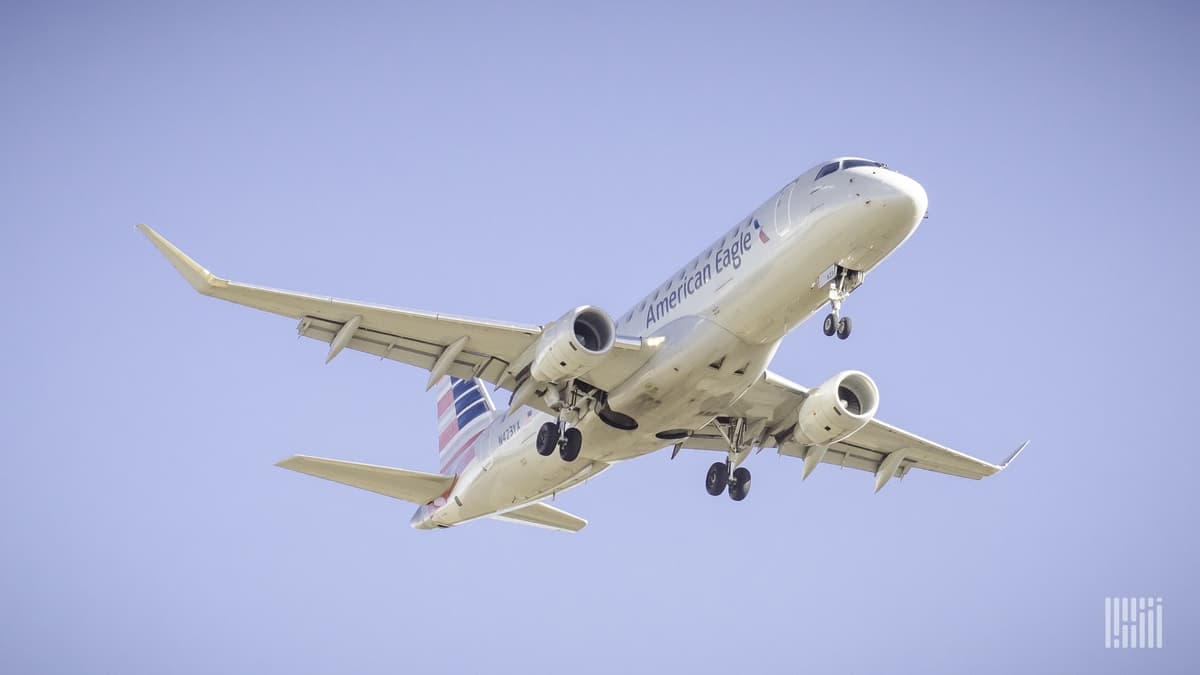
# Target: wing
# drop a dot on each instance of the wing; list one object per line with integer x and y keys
{"x": 772, "y": 405}
{"x": 444, "y": 345}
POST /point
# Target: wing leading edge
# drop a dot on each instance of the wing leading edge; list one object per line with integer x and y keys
{"x": 442, "y": 344}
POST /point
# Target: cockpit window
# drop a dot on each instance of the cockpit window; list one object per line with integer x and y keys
{"x": 826, "y": 170}
{"x": 851, "y": 163}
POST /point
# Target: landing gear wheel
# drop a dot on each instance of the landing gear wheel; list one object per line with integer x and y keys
{"x": 571, "y": 443}
{"x": 717, "y": 479}
{"x": 739, "y": 485}
{"x": 547, "y": 439}
{"x": 843, "y": 327}
{"x": 830, "y": 326}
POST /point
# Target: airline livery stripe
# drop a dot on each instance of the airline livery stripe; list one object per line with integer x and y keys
{"x": 462, "y": 386}
{"x": 447, "y": 434}
{"x": 466, "y": 446}
{"x": 467, "y": 399}
{"x": 444, "y": 402}
{"x": 464, "y": 430}
{"x": 471, "y": 413}
{"x": 446, "y": 419}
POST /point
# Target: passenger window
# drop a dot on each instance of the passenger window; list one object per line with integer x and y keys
{"x": 826, "y": 170}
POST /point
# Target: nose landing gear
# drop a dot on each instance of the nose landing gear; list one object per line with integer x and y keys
{"x": 844, "y": 281}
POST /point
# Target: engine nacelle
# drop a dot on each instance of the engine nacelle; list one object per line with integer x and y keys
{"x": 842, "y": 405}
{"x": 573, "y": 345}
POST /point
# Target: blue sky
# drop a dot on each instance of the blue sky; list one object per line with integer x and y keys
{"x": 512, "y": 162}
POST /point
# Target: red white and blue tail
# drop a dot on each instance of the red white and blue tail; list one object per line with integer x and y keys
{"x": 464, "y": 410}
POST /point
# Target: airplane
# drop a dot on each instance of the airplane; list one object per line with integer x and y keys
{"x": 686, "y": 367}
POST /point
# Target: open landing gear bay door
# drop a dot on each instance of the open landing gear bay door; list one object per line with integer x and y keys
{"x": 887, "y": 451}
{"x": 441, "y": 344}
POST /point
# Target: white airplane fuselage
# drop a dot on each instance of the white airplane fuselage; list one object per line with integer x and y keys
{"x": 715, "y": 325}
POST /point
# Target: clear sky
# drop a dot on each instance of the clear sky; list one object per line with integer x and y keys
{"x": 512, "y": 162}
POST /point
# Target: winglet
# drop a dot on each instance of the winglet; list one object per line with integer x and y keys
{"x": 201, "y": 279}
{"x": 1013, "y": 456}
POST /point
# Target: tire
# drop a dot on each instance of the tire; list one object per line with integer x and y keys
{"x": 830, "y": 325}
{"x": 572, "y": 442}
{"x": 843, "y": 328}
{"x": 739, "y": 487}
{"x": 717, "y": 479}
{"x": 547, "y": 439}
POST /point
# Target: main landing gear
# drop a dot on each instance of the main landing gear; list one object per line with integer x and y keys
{"x": 551, "y": 436}
{"x": 741, "y": 437}
{"x": 719, "y": 477}
{"x": 839, "y": 288}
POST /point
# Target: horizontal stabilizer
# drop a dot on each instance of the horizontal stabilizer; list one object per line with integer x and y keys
{"x": 411, "y": 486}
{"x": 544, "y": 515}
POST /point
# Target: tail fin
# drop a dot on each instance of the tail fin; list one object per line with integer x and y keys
{"x": 464, "y": 410}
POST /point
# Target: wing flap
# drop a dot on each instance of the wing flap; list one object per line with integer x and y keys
{"x": 540, "y": 514}
{"x": 410, "y": 486}
{"x": 413, "y": 351}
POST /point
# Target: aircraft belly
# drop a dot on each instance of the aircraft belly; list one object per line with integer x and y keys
{"x": 514, "y": 475}
{"x": 700, "y": 372}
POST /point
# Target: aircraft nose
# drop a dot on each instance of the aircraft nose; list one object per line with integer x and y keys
{"x": 904, "y": 193}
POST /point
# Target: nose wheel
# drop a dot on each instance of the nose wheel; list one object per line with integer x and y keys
{"x": 837, "y": 326}
{"x": 719, "y": 478}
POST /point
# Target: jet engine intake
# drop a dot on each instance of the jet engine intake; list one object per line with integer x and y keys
{"x": 573, "y": 345}
{"x": 837, "y": 408}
